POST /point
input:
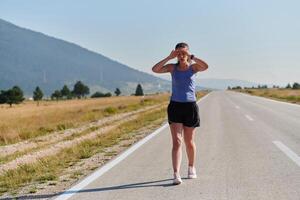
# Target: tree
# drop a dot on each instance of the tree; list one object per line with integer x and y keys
{"x": 65, "y": 92}
{"x": 296, "y": 86}
{"x": 37, "y": 94}
{"x": 139, "y": 90}
{"x": 117, "y": 91}
{"x": 108, "y": 94}
{"x": 100, "y": 94}
{"x": 14, "y": 96}
{"x": 97, "y": 95}
{"x": 56, "y": 95}
{"x": 3, "y": 97}
{"x": 288, "y": 86}
{"x": 228, "y": 88}
{"x": 80, "y": 90}
{"x": 237, "y": 88}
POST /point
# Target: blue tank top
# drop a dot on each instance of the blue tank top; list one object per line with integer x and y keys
{"x": 183, "y": 85}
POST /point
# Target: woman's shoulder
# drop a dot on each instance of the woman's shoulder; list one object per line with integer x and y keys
{"x": 193, "y": 68}
{"x": 171, "y": 67}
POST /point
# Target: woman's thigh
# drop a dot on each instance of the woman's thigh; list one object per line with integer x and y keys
{"x": 176, "y": 131}
{"x": 189, "y": 133}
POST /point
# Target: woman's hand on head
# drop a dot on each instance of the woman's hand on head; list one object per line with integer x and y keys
{"x": 173, "y": 54}
{"x": 187, "y": 52}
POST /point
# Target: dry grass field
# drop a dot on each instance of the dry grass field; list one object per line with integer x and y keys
{"x": 28, "y": 120}
{"x": 288, "y": 95}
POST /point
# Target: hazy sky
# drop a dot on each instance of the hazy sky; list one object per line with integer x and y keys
{"x": 255, "y": 40}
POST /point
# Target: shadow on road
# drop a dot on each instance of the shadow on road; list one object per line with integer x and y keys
{"x": 158, "y": 183}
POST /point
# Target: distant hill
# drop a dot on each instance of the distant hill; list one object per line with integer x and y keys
{"x": 30, "y": 59}
{"x": 224, "y": 83}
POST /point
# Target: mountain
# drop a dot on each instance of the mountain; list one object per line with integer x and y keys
{"x": 29, "y": 59}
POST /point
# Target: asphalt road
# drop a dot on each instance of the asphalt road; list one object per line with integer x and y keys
{"x": 247, "y": 148}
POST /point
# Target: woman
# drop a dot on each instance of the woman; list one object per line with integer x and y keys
{"x": 183, "y": 112}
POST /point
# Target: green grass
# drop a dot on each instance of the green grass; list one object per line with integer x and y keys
{"x": 76, "y": 174}
{"x": 33, "y": 190}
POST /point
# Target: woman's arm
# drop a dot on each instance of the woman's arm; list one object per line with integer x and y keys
{"x": 199, "y": 65}
{"x": 161, "y": 66}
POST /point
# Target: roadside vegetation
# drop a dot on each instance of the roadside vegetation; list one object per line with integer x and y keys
{"x": 290, "y": 93}
{"x": 66, "y": 109}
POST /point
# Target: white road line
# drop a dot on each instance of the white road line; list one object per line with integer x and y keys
{"x": 203, "y": 97}
{"x": 237, "y": 107}
{"x": 99, "y": 172}
{"x": 292, "y": 155}
{"x": 67, "y": 194}
{"x": 249, "y": 118}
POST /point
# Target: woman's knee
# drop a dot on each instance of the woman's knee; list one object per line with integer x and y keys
{"x": 190, "y": 143}
{"x": 177, "y": 143}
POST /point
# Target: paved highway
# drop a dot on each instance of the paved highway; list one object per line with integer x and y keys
{"x": 247, "y": 148}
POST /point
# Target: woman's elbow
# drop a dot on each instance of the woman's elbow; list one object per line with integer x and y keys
{"x": 204, "y": 67}
{"x": 154, "y": 69}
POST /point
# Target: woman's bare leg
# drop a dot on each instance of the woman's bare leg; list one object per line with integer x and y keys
{"x": 189, "y": 133}
{"x": 176, "y": 131}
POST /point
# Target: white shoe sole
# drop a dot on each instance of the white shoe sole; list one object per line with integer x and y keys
{"x": 177, "y": 182}
{"x": 193, "y": 176}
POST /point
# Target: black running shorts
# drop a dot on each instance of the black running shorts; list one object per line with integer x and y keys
{"x": 186, "y": 113}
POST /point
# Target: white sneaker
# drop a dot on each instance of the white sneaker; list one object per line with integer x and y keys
{"x": 192, "y": 172}
{"x": 177, "y": 179}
